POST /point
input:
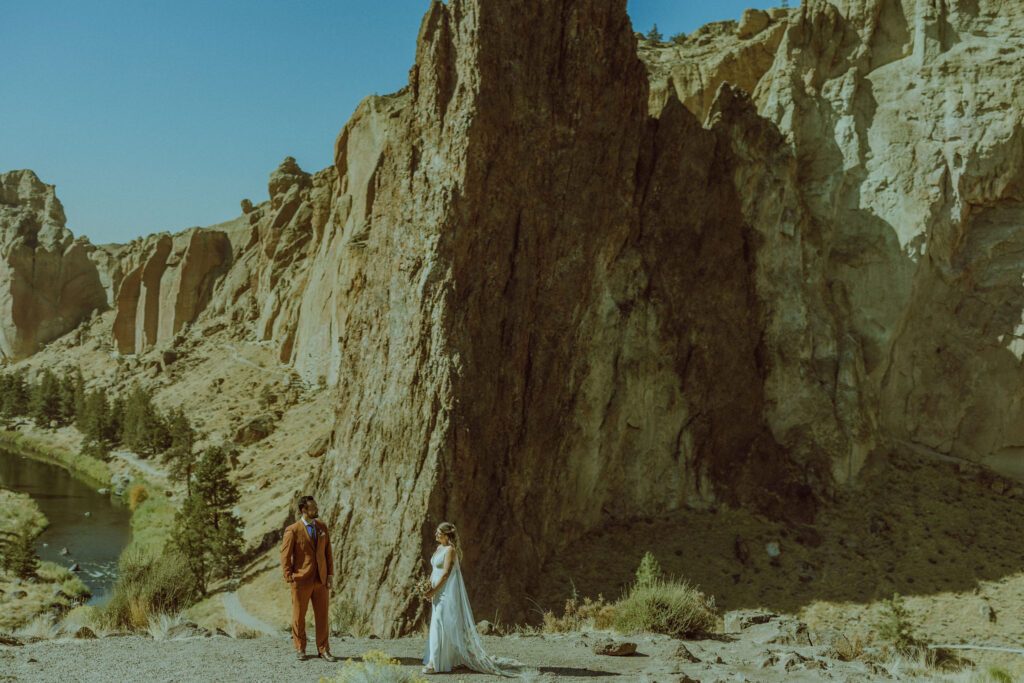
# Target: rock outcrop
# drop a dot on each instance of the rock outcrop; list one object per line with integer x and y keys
{"x": 545, "y": 331}
{"x": 48, "y": 283}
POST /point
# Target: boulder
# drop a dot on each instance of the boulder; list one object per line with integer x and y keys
{"x": 683, "y": 653}
{"x": 739, "y": 620}
{"x": 613, "y": 648}
{"x": 84, "y": 633}
{"x": 255, "y": 430}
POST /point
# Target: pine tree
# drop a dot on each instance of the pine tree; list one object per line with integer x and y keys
{"x": 14, "y": 394}
{"x": 206, "y": 530}
{"x": 143, "y": 430}
{"x": 181, "y": 454}
{"x": 72, "y": 384}
{"x": 654, "y": 34}
{"x": 44, "y": 399}
{"x": 95, "y": 425}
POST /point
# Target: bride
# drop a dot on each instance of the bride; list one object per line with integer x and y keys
{"x": 453, "y": 639}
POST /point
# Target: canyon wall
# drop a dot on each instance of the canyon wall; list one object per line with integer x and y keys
{"x": 565, "y": 279}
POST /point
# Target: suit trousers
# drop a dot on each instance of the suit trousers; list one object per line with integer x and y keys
{"x": 303, "y": 590}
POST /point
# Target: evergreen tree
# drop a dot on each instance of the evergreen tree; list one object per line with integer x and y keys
{"x": 206, "y": 530}
{"x": 181, "y": 454}
{"x": 14, "y": 394}
{"x": 18, "y": 556}
{"x": 72, "y": 386}
{"x": 44, "y": 399}
{"x": 95, "y": 425}
{"x": 143, "y": 430}
{"x": 654, "y": 34}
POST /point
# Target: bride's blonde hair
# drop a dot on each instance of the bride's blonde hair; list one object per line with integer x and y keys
{"x": 448, "y": 529}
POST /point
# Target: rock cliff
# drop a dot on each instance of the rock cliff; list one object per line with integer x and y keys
{"x": 50, "y": 284}
{"x": 563, "y": 279}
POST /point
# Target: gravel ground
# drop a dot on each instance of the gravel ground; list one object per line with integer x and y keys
{"x": 136, "y": 658}
{"x": 567, "y": 657}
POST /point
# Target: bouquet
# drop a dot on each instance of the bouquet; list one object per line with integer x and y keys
{"x": 423, "y": 587}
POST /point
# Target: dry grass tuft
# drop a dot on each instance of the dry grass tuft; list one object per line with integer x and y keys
{"x": 588, "y": 615}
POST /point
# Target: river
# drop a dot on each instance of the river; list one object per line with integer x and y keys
{"x": 94, "y": 542}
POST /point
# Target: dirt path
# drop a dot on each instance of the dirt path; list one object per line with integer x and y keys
{"x": 134, "y": 461}
{"x": 234, "y": 609}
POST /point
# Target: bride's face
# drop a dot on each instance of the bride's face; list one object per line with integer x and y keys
{"x": 440, "y": 538}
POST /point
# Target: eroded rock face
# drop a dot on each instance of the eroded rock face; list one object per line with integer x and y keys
{"x": 543, "y": 331}
{"x": 165, "y": 282}
{"x": 48, "y": 284}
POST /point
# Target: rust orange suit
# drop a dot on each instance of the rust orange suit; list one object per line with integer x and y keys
{"x": 307, "y": 564}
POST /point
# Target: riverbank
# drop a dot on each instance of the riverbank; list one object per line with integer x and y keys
{"x": 151, "y": 519}
{"x": 152, "y": 513}
{"x": 53, "y": 590}
{"x": 58, "y": 452}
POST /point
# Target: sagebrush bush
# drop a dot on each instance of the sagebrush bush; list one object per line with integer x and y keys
{"x": 375, "y": 667}
{"x": 149, "y": 586}
{"x": 589, "y": 614}
{"x": 672, "y": 607}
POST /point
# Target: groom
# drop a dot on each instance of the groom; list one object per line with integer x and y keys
{"x": 309, "y": 567}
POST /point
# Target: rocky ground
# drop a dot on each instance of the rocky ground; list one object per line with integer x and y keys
{"x": 766, "y": 651}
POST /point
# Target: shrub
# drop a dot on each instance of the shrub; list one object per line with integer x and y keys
{"x": 674, "y": 608}
{"x": 894, "y": 626}
{"x": 655, "y": 34}
{"x": 589, "y": 615}
{"x": 649, "y": 570}
{"x": 149, "y": 586}
{"x": 137, "y": 496}
{"x": 376, "y": 667}
{"x": 679, "y": 39}
{"x": 346, "y": 619}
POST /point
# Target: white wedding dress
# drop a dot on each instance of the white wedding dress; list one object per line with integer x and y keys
{"x": 453, "y": 639}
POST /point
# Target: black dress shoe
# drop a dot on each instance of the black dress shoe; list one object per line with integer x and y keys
{"x": 328, "y": 657}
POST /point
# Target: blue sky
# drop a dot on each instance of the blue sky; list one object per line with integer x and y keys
{"x": 161, "y": 115}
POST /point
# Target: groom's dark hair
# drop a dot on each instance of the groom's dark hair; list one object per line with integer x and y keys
{"x": 304, "y": 501}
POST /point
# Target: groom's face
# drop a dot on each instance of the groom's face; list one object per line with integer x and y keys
{"x": 311, "y": 510}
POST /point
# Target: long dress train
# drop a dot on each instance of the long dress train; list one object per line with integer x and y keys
{"x": 453, "y": 639}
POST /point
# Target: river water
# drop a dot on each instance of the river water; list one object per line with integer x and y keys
{"x": 94, "y": 542}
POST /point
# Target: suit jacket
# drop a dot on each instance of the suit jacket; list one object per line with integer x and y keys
{"x": 300, "y": 559}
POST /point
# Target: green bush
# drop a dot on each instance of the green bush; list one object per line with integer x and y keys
{"x": 649, "y": 570}
{"x": 894, "y": 626}
{"x": 18, "y": 555}
{"x": 149, "y": 585}
{"x": 674, "y": 608}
